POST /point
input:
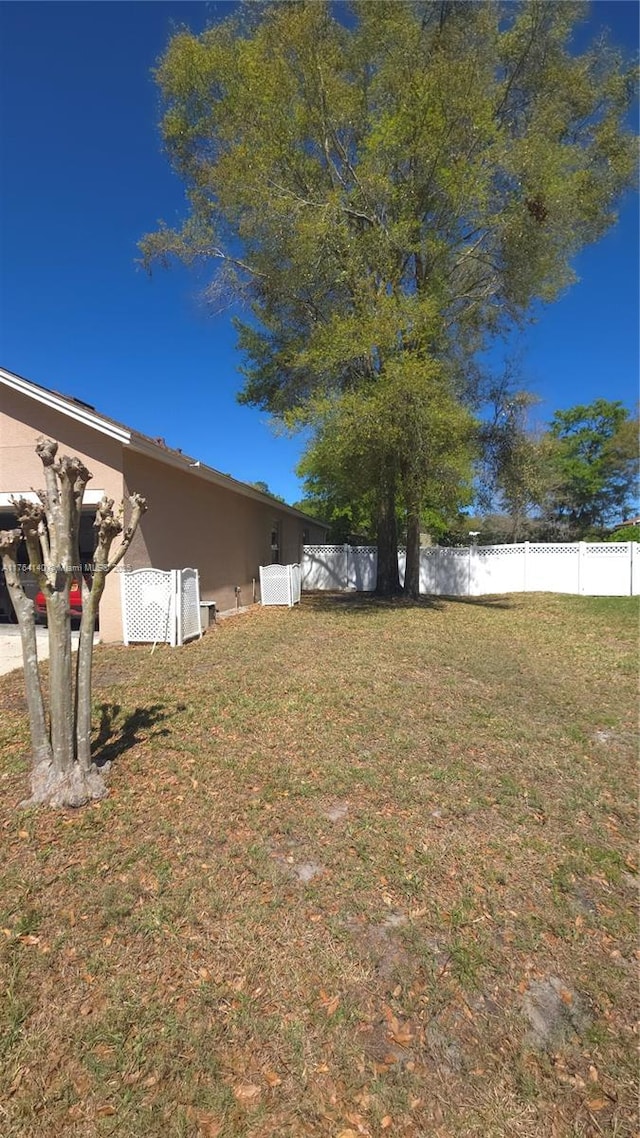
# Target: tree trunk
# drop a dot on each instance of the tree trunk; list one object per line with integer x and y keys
{"x": 56, "y": 782}
{"x": 90, "y": 603}
{"x": 516, "y": 529}
{"x": 63, "y": 781}
{"x": 41, "y": 745}
{"x": 25, "y": 612}
{"x": 60, "y": 671}
{"x": 412, "y": 565}
{"x": 388, "y": 580}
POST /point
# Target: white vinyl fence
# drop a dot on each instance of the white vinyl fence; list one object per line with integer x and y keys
{"x": 606, "y": 569}
{"x": 160, "y": 606}
{"x": 339, "y": 567}
{"x": 280, "y": 584}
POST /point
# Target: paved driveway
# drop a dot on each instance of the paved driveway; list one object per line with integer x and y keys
{"x": 11, "y": 647}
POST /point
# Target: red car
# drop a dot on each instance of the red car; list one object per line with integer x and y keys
{"x": 75, "y": 602}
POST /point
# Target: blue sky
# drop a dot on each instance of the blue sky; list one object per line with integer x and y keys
{"x": 83, "y": 177}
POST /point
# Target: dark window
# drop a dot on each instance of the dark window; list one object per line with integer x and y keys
{"x": 275, "y": 544}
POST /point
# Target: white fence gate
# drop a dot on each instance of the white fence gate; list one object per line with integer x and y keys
{"x": 160, "y": 606}
{"x": 280, "y": 584}
{"x": 591, "y": 569}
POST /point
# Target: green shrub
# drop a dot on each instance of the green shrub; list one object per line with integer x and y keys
{"x": 625, "y": 533}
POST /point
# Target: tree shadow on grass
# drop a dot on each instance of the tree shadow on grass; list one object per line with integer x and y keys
{"x": 488, "y": 602}
{"x": 369, "y": 603}
{"x": 114, "y": 738}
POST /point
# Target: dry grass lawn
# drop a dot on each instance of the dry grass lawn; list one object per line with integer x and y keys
{"x": 364, "y": 870}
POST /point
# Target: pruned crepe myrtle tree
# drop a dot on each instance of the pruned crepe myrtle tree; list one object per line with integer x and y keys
{"x": 398, "y": 184}
{"x": 62, "y": 773}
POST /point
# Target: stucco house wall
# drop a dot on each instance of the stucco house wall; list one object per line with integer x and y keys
{"x": 192, "y": 522}
{"x": 22, "y": 421}
{"x": 196, "y": 516}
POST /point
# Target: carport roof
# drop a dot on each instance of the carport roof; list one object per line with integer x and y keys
{"x": 157, "y": 449}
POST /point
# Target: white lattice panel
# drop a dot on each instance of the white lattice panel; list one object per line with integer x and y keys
{"x": 452, "y": 553}
{"x": 147, "y": 606}
{"x": 296, "y": 584}
{"x": 499, "y": 551}
{"x": 322, "y": 549}
{"x": 189, "y": 607}
{"x": 280, "y": 584}
{"x": 610, "y": 550}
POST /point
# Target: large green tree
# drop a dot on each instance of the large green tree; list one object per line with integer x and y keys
{"x": 385, "y": 185}
{"x": 415, "y": 437}
{"x": 592, "y": 467}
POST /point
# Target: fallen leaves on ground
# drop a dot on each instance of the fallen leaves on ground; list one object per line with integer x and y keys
{"x": 166, "y": 972}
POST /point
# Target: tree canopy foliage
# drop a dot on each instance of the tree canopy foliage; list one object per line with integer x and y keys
{"x": 592, "y": 467}
{"x": 264, "y": 487}
{"x": 419, "y": 430}
{"x": 385, "y": 186}
{"x": 572, "y": 479}
{"x": 625, "y": 533}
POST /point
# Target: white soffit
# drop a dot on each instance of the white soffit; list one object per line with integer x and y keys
{"x": 91, "y": 497}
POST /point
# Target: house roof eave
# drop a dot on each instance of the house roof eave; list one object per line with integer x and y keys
{"x": 143, "y": 444}
{"x": 140, "y": 444}
{"x": 65, "y": 405}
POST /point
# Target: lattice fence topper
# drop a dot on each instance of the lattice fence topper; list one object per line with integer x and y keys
{"x": 497, "y": 550}
{"x": 324, "y": 549}
{"x": 553, "y": 550}
{"x": 439, "y": 550}
{"x": 160, "y": 606}
{"x": 280, "y": 584}
{"x": 607, "y": 549}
